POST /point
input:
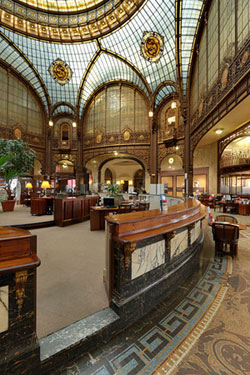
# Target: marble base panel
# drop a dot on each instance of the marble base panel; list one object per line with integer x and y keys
{"x": 4, "y": 308}
{"x": 143, "y": 300}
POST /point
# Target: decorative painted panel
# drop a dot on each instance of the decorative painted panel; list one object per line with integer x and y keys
{"x": 147, "y": 258}
{"x": 4, "y": 308}
{"x": 179, "y": 243}
{"x": 195, "y": 232}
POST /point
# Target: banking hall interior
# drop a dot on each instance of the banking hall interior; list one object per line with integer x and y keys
{"x": 124, "y": 187}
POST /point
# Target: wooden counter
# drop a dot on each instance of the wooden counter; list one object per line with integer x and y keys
{"x": 73, "y": 210}
{"x": 148, "y": 253}
{"x": 97, "y": 216}
{"x": 17, "y": 250}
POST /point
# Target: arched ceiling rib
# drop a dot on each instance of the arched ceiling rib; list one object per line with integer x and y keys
{"x": 165, "y": 91}
{"x": 108, "y": 68}
{"x": 15, "y": 58}
{"x": 63, "y": 109}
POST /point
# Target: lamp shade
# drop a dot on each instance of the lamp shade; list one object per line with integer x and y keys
{"x": 108, "y": 182}
{"x": 28, "y": 185}
{"x": 122, "y": 182}
{"x": 45, "y": 184}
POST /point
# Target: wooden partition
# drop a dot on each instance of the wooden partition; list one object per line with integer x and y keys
{"x": 73, "y": 210}
{"x": 149, "y": 253}
{"x": 19, "y": 348}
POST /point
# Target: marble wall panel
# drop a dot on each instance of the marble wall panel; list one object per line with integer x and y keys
{"x": 4, "y": 308}
{"x": 147, "y": 258}
{"x": 196, "y": 231}
{"x": 179, "y": 243}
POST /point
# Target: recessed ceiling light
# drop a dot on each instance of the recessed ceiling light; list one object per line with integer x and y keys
{"x": 218, "y": 131}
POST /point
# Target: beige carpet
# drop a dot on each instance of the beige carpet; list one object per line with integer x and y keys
{"x": 70, "y": 277}
{"x": 21, "y": 215}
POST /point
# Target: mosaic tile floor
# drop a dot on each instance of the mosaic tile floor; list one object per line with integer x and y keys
{"x": 203, "y": 329}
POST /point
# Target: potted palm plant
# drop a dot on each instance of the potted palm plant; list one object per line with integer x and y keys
{"x": 16, "y": 158}
{"x": 113, "y": 191}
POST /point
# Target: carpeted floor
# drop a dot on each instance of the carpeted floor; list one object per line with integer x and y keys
{"x": 21, "y": 215}
{"x": 70, "y": 277}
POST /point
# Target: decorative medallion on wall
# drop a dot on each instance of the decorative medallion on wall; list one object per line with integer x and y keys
{"x": 18, "y": 133}
{"x": 98, "y": 138}
{"x": 141, "y": 137}
{"x": 152, "y": 45}
{"x": 111, "y": 139}
{"x": 224, "y": 78}
{"x": 126, "y": 135}
{"x": 60, "y": 71}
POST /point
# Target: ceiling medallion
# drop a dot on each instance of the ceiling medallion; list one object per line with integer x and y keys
{"x": 60, "y": 71}
{"x": 152, "y": 45}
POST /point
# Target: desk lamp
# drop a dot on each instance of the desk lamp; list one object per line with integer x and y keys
{"x": 45, "y": 185}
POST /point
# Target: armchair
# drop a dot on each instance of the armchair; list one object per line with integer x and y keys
{"x": 225, "y": 234}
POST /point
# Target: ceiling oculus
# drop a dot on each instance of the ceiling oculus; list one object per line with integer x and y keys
{"x": 152, "y": 45}
{"x": 60, "y": 71}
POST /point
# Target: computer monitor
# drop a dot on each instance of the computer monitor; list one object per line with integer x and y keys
{"x": 109, "y": 202}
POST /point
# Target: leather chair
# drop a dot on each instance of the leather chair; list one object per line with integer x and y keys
{"x": 225, "y": 234}
{"x": 226, "y": 218}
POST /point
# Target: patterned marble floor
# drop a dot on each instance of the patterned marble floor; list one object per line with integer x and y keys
{"x": 202, "y": 329}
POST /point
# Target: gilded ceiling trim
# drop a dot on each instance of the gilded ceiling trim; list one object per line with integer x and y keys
{"x": 22, "y": 55}
{"x": 67, "y": 28}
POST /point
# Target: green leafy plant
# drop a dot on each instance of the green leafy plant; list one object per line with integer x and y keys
{"x": 16, "y": 158}
{"x": 113, "y": 190}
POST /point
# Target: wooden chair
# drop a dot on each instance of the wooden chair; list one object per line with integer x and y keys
{"x": 226, "y": 218}
{"x": 225, "y": 234}
{"x": 143, "y": 206}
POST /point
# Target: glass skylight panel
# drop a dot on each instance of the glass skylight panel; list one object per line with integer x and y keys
{"x": 42, "y": 55}
{"x": 191, "y": 10}
{"x": 127, "y": 40}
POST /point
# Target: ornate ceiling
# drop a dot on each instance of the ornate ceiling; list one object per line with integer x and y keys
{"x": 66, "y": 20}
{"x": 70, "y": 71}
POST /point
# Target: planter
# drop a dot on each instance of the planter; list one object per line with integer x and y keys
{"x": 8, "y": 205}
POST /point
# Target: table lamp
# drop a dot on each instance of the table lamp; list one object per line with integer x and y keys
{"x": 45, "y": 185}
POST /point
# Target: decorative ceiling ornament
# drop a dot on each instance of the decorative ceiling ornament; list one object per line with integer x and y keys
{"x": 60, "y": 71}
{"x": 152, "y": 45}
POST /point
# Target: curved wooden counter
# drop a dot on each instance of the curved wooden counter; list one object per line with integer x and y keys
{"x": 149, "y": 253}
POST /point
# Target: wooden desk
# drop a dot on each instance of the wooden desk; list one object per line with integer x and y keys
{"x": 244, "y": 209}
{"x": 41, "y": 206}
{"x": 97, "y": 216}
{"x": 73, "y": 210}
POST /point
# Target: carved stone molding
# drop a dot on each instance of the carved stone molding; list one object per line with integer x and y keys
{"x": 21, "y": 280}
{"x": 168, "y": 238}
{"x": 129, "y": 248}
